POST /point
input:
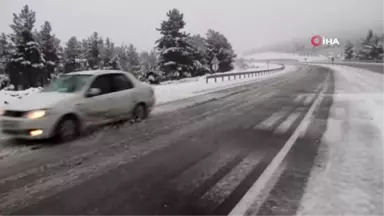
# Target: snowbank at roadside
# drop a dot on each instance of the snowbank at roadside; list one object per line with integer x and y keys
{"x": 281, "y": 55}
{"x": 171, "y": 92}
{"x": 348, "y": 178}
{"x": 252, "y": 67}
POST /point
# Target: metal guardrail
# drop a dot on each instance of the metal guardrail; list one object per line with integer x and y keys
{"x": 363, "y": 61}
{"x": 352, "y": 61}
{"x": 243, "y": 74}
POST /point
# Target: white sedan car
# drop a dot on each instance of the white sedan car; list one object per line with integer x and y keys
{"x": 75, "y": 101}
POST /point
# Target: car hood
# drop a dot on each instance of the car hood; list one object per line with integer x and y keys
{"x": 39, "y": 100}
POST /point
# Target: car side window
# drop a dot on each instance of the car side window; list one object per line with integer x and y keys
{"x": 121, "y": 82}
{"x": 103, "y": 83}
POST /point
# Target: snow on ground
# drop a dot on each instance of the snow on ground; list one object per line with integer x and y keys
{"x": 359, "y": 63}
{"x": 349, "y": 177}
{"x": 171, "y": 92}
{"x": 279, "y": 55}
{"x": 14, "y": 95}
{"x": 349, "y": 62}
{"x": 174, "y": 90}
{"x": 252, "y": 67}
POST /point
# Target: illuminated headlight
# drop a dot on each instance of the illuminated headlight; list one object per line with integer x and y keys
{"x": 35, "y": 114}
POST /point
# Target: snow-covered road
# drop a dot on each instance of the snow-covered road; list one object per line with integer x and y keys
{"x": 348, "y": 178}
{"x": 203, "y": 159}
{"x": 175, "y": 91}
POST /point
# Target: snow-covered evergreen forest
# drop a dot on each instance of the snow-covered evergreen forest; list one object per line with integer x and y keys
{"x": 370, "y": 48}
{"x": 31, "y": 56}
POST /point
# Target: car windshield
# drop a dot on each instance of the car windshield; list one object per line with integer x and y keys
{"x": 67, "y": 83}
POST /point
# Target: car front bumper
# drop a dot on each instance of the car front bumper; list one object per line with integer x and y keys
{"x": 23, "y": 128}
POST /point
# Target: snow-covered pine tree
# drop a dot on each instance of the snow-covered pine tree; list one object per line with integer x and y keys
{"x": 148, "y": 64}
{"x": 121, "y": 53}
{"x": 152, "y": 59}
{"x": 366, "y": 47}
{"x": 49, "y": 46}
{"x": 108, "y": 55}
{"x": 349, "y": 51}
{"x": 5, "y": 51}
{"x": 201, "y": 63}
{"x": 94, "y": 43}
{"x": 219, "y": 46}
{"x": 4, "y": 81}
{"x": 27, "y": 62}
{"x": 113, "y": 63}
{"x": 133, "y": 60}
{"x": 148, "y": 59}
{"x": 60, "y": 55}
{"x": 377, "y": 47}
{"x": 72, "y": 55}
{"x": 5, "y": 48}
{"x": 175, "y": 51}
{"x": 371, "y": 47}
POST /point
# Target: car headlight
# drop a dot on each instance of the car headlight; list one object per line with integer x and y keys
{"x": 35, "y": 114}
{"x": 2, "y": 112}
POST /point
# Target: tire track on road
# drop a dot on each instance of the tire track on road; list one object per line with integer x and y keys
{"x": 71, "y": 175}
{"x": 247, "y": 107}
{"x": 138, "y": 130}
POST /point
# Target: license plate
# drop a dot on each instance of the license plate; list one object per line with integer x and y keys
{"x": 9, "y": 124}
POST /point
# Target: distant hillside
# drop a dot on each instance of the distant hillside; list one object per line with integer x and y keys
{"x": 302, "y": 46}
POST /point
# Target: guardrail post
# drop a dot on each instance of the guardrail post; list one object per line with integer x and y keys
{"x": 206, "y": 79}
{"x": 222, "y": 78}
{"x": 215, "y": 79}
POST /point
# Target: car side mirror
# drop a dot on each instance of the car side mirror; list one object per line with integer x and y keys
{"x": 93, "y": 92}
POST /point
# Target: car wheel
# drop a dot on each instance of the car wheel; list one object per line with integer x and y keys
{"x": 140, "y": 112}
{"x": 67, "y": 129}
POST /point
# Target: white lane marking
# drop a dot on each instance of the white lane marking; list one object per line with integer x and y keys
{"x": 269, "y": 122}
{"x": 299, "y": 98}
{"x": 306, "y": 123}
{"x": 186, "y": 182}
{"x": 266, "y": 190}
{"x": 283, "y": 127}
{"x": 309, "y": 99}
{"x": 218, "y": 193}
{"x": 254, "y": 192}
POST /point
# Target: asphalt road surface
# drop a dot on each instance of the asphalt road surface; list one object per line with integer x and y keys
{"x": 199, "y": 159}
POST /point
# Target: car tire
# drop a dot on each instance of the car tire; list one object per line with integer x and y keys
{"x": 140, "y": 112}
{"x": 67, "y": 129}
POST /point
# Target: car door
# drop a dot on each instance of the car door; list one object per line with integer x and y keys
{"x": 124, "y": 91}
{"x": 99, "y": 109}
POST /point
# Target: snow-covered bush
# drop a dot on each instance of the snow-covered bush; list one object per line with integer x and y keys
{"x": 4, "y": 81}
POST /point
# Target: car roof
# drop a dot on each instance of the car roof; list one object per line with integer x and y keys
{"x": 96, "y": 72}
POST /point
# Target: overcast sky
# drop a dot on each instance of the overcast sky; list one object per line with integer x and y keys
{"x": 246, "y": 23}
